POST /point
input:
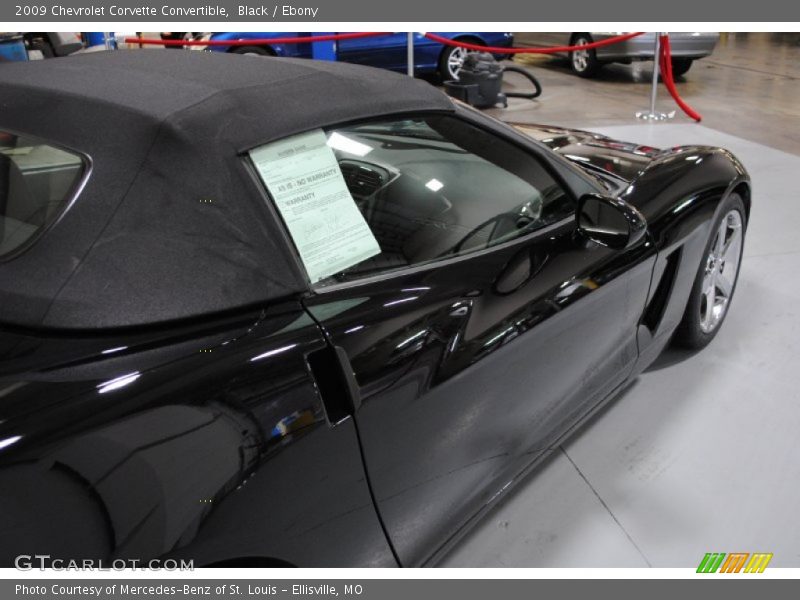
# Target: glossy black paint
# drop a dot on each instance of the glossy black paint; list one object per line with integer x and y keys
{"x": 212, "y": 439}
{"x": 205, "y": 441}
{"x": 610, "y": 221}
{"x": 468, "y": 369}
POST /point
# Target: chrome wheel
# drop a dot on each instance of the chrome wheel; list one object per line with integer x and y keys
{"x": 456, "y": 60}
{"x": 721, "y": 268}
{"x": 580, "y": 58}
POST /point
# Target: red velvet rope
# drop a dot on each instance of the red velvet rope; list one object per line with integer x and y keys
{"x": 552, "y": 50}
{"x": 352, "y": 36}
{"x": 666, "y": 74}
{"x": 257, "y": 42}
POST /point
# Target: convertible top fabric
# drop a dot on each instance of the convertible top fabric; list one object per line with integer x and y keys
{"x": 171, "y": 223}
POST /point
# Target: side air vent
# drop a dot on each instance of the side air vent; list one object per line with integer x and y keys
{"x": 336, "y": 382}
{"x": 658, "y": 303}
{"x": 361, "y": 181}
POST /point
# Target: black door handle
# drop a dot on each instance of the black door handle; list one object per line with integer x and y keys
{"x": 336, "y": 382}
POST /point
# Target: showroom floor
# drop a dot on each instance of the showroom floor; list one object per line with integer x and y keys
{"x": 748, "y": 87}
{"x": 700, "y": 454}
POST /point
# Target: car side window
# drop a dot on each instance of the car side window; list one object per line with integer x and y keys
{"x": 36, "y": 181}
{"x": 436, "y": 186}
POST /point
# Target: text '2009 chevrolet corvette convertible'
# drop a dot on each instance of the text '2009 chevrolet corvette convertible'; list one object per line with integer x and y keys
{"x": 288, "y": 312}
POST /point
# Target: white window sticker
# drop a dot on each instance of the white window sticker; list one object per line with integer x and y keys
{"x": 303, "y": 176}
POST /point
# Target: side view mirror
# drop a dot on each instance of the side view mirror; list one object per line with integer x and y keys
{"x": 610, "y": 221}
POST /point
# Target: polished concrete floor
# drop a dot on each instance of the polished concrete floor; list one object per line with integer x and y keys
{"x": 701, "y": 453}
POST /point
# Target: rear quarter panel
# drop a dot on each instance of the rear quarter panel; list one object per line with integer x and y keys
{"x": 210, "y": 445}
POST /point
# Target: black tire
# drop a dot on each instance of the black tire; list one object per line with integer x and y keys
{"x": 44, "y": 47}
{"x": 689, "y": 333}
{"x": 444, "y": 71}
{"x": 252, "y": 50}
{"x": 680, "y": 66}
{"x": 588, "y": 67}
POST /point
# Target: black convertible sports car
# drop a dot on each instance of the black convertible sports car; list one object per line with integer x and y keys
{"x": 287, "y": 312}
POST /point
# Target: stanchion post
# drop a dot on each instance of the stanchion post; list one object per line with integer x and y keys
{"x": 652, "y": 115}
{"x": 410, "y": 53}
{"x": 656, "y": 64}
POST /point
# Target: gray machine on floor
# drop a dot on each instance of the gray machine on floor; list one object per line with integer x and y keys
{"x": 481, "y": 79}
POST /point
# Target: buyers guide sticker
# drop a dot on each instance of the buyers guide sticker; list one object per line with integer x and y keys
{"x": 303, "y": 176}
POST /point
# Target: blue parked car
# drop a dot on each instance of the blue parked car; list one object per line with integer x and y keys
{"x": 388, "y": 52}
{"x": 12, "y": 48}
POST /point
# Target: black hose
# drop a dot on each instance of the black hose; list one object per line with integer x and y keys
{"x": 536, "y": 85}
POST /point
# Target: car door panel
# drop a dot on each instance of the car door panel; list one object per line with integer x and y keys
{"x": 482, "y": 328}
{"x": 464, "y": 382}
{"x": 386, "y": 51}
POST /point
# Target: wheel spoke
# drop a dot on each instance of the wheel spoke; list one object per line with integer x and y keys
{"x": 724, "y": 285}
{"x": 720, "y": 304}
{"x": 719, "y": 241}
{"x": 731, "y": 248}
{"x": 707, "y": 317}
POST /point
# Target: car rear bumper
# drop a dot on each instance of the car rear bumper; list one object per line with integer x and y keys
{"x": 683, "y": 45}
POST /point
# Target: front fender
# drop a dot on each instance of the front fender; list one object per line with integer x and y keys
{"x": 680, "y": 193}
{"x": 682, "y": 188}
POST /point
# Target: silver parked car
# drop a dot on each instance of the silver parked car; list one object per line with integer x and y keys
{"x": 686, "y": 47}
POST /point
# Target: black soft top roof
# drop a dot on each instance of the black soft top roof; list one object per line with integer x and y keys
{"x": 171, "y": 224}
